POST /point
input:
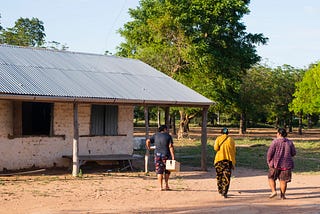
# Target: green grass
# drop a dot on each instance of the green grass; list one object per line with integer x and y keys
{"x": 308, "y": 156}
{"x": 252, "y": 154}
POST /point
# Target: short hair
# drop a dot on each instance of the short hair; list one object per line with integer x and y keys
{"x": 224, "y": 131}
{"x": 162, "y": 128}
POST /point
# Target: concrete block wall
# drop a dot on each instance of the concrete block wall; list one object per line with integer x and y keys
{"x": 29, "y": 151}
{"x": 6, "y": 119}
{"x": 100, "y": 145}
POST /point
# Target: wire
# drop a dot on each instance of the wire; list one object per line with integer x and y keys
{"x": 114, "y": 23}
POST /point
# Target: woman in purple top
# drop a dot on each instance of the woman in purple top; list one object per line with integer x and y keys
{"x": 280, "y": 161}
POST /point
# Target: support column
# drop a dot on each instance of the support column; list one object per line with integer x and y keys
{"x": 75, "y": 161}
{"x": 147, "y": 155}
{"x": 204, "y": 139}
{"x": 167, "y": 117}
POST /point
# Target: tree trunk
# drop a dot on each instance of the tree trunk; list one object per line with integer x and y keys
{"x": 181, "y": 125}
{"x": 285, "y": 124}
{"x": 167, "y": 117}
{"x": 290, "y": 123}
{"x": 184, "y": 124}
{"x": 243, "y": 126}
{"x": 300, "y": 123}
{"x": 309, "y": 121}
{"x": 277, "y": 122}
{"x": 218, "y": 118}
{"x": 173, "y": 124}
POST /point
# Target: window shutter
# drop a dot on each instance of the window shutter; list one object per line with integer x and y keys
{"x": 111, "y": 120}
{"x": 97, "y": 119}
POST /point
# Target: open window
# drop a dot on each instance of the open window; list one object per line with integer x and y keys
{"x": 32, "y": 118}
{"x": 104, "y": 120}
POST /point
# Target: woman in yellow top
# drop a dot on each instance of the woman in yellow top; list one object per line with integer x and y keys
{"x": 224, "y": 161}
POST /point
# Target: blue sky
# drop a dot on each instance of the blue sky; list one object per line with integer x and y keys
{"x": 292, "y": 26}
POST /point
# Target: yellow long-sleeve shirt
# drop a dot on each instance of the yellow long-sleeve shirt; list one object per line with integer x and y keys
{"x": 226, "y": 150}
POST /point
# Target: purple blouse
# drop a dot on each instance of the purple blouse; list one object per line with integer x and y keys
{"x": 280, "y": 154}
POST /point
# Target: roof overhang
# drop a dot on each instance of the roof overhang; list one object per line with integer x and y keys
{"x": 107, "y": 101}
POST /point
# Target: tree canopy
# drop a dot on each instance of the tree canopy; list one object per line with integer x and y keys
{"x": 307, "y": 94}
{"x": 26, "y": 32}
{"x": 201, "y": 43}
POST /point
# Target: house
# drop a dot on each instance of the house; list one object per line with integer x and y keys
{"x": 55, "y": 103}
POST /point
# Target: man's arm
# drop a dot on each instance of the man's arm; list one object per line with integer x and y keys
{"x": 171, "y": 150}
{"x": 148, "y": 144}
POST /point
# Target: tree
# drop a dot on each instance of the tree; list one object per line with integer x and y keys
{"x": 201, "y": 43}
{"x": 54, "y": 45}
{"x": 26, "y": 32}
{"x": 284, "y": 79}
{"x": 307, "y": 95}
{"x": 265, "y": 94}
{"x": 254, "y": 95}
{"x": 0, "y": 24}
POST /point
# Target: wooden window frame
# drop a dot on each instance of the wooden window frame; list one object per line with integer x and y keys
{"x": 19, "y": 118}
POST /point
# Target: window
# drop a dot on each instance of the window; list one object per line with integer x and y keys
{"x": 32, "y": 118}
{"x": 104, "y": 120}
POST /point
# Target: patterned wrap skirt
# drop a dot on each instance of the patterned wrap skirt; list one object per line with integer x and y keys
{"x": 223, "y": 175}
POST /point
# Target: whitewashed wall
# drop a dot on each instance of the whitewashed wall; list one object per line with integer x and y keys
{"x": 26, "y": 152}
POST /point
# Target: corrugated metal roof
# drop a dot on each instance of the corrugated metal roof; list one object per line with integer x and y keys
{"x": 63, "y": 75}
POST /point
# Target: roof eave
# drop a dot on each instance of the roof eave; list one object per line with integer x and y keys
{"x": 35, "y": 98}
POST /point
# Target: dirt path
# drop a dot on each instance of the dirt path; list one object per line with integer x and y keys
{"x": 193, "y": 191}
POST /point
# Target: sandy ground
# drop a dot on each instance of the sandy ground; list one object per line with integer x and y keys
{"x": 193, "y": 191}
